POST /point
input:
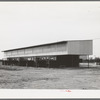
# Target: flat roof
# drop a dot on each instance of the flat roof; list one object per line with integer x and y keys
{"x": 41, "y": 45}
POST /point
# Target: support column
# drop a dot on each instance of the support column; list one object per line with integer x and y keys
{"x": 48, "y": 62}
{"x": 88, "y": 61}
{"x": 36, "y": 61}
{"x": 72, "y": 60}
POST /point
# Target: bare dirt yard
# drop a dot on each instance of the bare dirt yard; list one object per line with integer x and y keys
{"x": 17, "y": 77}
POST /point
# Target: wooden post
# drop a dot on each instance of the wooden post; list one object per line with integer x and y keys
{"x": 72, "y": 60}
{"x": 88, "y": 61}
{"x": 48, "y": 60}
{"x": 19, "y": 61}
{"x": 36, "y": 62}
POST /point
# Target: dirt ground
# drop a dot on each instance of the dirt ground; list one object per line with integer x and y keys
{"x": 16, "y": 77}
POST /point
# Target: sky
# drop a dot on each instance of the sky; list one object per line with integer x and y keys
{"x": 25, "y": 24}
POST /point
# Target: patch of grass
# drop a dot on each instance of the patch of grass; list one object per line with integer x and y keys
{"x": 10, "y": 68}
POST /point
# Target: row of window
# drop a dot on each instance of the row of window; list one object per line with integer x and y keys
{"x": 33, "y": 58}
{"x": 37, "y": 50}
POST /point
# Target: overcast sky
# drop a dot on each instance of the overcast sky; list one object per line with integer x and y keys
{"x": 30, "y": 23}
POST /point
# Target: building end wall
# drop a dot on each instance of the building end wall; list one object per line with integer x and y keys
{"x": 83, "y": 47}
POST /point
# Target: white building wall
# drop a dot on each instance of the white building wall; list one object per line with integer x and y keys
{"x": 83, "y": 47}
{"x": 54, "y": 49}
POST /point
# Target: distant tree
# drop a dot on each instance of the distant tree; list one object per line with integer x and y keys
{"x": 97, "y": 60}
{"x": 91, "y": 60}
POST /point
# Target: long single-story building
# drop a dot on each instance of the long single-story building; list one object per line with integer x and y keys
{"x": 58, "y": 54}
